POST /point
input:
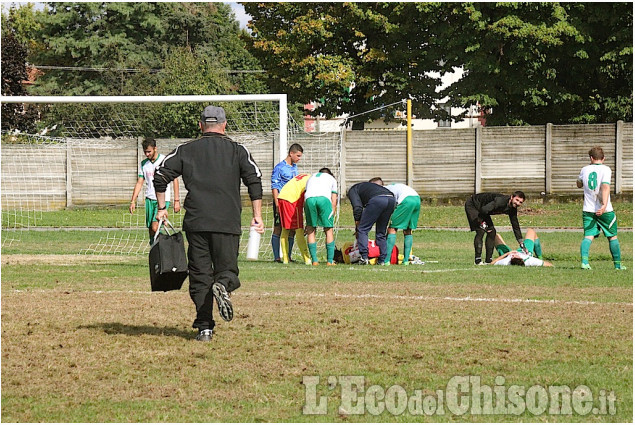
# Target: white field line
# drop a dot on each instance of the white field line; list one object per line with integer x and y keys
{"x": 309, "y": 295}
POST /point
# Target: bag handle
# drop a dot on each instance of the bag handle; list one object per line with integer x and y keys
{"x": 161, "y": 223}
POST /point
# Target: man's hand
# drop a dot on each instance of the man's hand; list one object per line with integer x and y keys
{"x": 601, "y": 211}
{"x": 257, "y": 224}
{"x": 162, "y": 214}
{"x": 133, "y": 207}
{"x": 177, "y": 205}
{"x": 522, "y": 246}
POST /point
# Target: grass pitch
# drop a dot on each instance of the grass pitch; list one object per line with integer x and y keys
{"x": 83, "y": 339}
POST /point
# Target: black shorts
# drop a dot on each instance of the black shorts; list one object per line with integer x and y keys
{"x": 473, "y": 216}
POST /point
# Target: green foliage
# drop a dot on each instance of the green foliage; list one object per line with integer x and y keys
{"x": 135, "y": 46}
{"x": 535, "y": 63}
{"x": 528, "y": 63}
{"x": 135, "y": 49}
{"x": 14, "y": 72}
{"x": 24, "y": 23}
{"x": 353, "y": 57}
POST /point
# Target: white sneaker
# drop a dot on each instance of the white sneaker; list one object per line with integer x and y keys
{"x": 225, "y": 308}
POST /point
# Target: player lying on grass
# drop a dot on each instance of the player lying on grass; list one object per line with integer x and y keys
{"x": 519, "y": 258}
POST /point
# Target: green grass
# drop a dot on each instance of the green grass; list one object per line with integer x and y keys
{"x": 532, "y": 214}
{"x": 83, "y": 339}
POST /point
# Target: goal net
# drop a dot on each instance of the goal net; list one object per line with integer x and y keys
{"x": 87, "y": 150}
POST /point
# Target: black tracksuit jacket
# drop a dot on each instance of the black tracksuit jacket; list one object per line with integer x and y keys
{"x": 489, "y": 203}
{"x": 212, "y": 168}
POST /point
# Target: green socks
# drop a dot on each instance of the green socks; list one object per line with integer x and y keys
{"x": 585, "y": 247}
{"x": 614, "y": 247}
{"x": 529, "y": 245}
{"x": 407, "y": 247}
{"x": 616, "y": 253}
{"x": 330, "y": 252}
{"x": 313, "y": 251}
{"x": 391, "y": 239}
{"x": 538, "y": 249}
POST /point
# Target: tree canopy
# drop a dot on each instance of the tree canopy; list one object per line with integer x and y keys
{"x": 533, "y": 63}
{"x": 134, "y": 48}
{"x": 122, "y": 48}
{"x": 14, "y": 72}
{"x": 351, "y": 57}
{"x": 526, "y": 63}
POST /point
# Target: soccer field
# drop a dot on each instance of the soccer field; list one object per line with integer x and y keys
{"x": 84, "y": 340}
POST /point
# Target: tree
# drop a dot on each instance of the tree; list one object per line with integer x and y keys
{"x": 527, "y": 63}
{"x": 14, "y": 116}
{"x": 24, "y": 23}
{"x": 352, "y": 57}
{"x": 115, "y": 38}
{"x": 533, "y": 63}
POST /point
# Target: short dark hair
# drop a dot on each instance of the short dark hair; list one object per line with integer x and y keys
{"x": 325, "y": 170}
{"x": 520, "y": 194}
{"x": 596, "y": 153}
{"x": 295, "y": 148}
{"x": 376, "y": 179}
{"x": 517, "y": 261}
{"x": 149, "y": 141}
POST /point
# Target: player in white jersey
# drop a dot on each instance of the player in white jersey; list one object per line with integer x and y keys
{"x": 405, "y": 217}
{"x": 146, "y": 173}
{"x": 519, "y": 258}
{"x": 531, "y": 258}
{"x": 597, "y": 212}
{"x": 320, "y": 203}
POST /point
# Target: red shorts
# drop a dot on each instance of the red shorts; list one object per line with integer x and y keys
{"x": 291, "y": 213}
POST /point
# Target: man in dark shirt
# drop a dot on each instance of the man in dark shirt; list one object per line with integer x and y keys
{"x": 212, "y": 168}
{"x": 372, "y": 204}
{"x": 480, "y": 207}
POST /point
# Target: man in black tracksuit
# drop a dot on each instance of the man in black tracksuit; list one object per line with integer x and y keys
{"x": 372, "y": 204}
{"x": 212, "y": 168}
{"x": 480, "y": 207}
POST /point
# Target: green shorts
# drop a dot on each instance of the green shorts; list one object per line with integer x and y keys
{"x": 318, "y": 212}
{"x": 152, "y": 208}
{"x": 406, "y": 215}
{"x": 607, "y": 222}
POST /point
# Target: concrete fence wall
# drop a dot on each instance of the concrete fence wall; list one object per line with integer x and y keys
{"x": 446, "y": 163}
{"x": 455, "y": 162}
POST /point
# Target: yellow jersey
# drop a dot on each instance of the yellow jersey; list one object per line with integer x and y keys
{"x": 294, "y": 189}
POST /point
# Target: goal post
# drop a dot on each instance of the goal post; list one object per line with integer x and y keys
{"x": 87, "y": 149}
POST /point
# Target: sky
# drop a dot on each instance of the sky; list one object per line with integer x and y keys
{"x": 239, "y": 11}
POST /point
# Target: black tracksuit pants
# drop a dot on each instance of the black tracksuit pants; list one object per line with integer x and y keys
{"x": 212, "y": 257}
{"x": 473, "y": 219}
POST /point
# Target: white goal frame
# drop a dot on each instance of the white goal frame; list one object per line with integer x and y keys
{"x": 320, "y": 149}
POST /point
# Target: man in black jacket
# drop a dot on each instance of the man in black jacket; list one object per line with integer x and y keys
{"x": 212, "y": 168}
{"x": 372, "y": 204}
{"x": 480, "y": 207}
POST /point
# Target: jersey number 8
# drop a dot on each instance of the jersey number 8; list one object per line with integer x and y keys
{"x": 593, "y": 180}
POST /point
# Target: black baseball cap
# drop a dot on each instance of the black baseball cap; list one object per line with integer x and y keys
{"x": 213, "y": 114}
